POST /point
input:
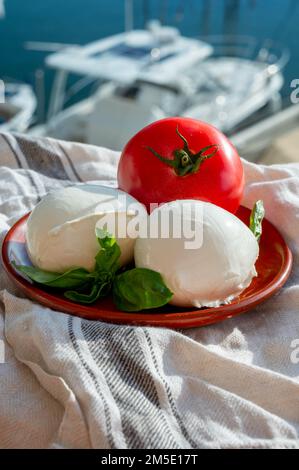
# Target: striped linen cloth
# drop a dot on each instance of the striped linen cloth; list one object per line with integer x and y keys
{"x": 72, "y": 383}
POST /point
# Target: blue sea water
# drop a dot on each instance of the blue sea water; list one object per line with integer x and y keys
{"x": 81, "y": 21}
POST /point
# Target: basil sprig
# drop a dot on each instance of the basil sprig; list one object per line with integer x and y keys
{"x": 107, "y": 264}
{"x": 133, "y": 290}
{"x": 256, "y": 219}
{"x": 107, "y": 259}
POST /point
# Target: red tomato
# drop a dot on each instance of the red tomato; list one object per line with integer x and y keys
{"x": 181, "y": 158}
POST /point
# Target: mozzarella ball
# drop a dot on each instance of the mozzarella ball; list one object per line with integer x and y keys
{"x": 61, "y": 228}
{"x": 208, "y": 272}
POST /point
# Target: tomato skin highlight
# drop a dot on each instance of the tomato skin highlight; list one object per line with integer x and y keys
{"x": 219, "y": 180}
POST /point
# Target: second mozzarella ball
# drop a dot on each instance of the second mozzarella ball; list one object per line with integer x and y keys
{"x": 205, "y": 254}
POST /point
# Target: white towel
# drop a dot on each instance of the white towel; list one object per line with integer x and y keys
{"x": 72, "y": 383}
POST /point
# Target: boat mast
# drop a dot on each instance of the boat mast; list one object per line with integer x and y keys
{"x": 164, "y": 6}
{"x": 2, "y": 9}
{"x": 206, "y": 15}
{"x": 129, "y": 15}
{"x": 231, "y": 17}
{"x": 146, "y": 14}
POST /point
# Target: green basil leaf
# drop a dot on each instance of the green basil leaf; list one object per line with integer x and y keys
{"x": 140, "y": 289}
{"x": 97, "y": 291}
{"x": 107, "y": 259}
{"x": 69, "y": 279}
{"x": 256, "y": 219}
{"x": 105, "y": 239}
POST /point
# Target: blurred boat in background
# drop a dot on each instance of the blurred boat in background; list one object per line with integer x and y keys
{"x": 17, "y": 110}
{"x": 133, "y": 73}
{"x": 143, "y": 75}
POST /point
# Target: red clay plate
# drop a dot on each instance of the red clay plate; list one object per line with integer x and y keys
{"x": 273, "y": 267}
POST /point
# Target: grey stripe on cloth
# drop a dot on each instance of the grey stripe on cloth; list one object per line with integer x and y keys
{"x": 41, "y": 157}
{"x": 93, "y": 377}
{"x": 39, "y": 163}
{"x": 118, "y": 354}
{"x": 70, "y": 162}
{"x": 171, "y": 399}
{"x": 13, "y": 152}
{"x": 9, "y": 139}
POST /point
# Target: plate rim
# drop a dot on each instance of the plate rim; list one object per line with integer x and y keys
{"x": 176, "y": 320}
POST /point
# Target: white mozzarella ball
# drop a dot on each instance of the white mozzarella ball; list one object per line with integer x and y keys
{"x": 205, "y": 274}
{"x": 61, "y": 228}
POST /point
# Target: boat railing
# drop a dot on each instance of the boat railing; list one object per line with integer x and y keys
{"x": 269, "y": 51}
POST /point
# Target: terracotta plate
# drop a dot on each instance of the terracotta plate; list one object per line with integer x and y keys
{"x": 273, "y": 266}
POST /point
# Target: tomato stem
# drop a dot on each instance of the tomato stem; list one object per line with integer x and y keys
{"x": 186, "y": 162}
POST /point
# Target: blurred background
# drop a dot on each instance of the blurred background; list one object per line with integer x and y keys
{"x": 97, "y": 71}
